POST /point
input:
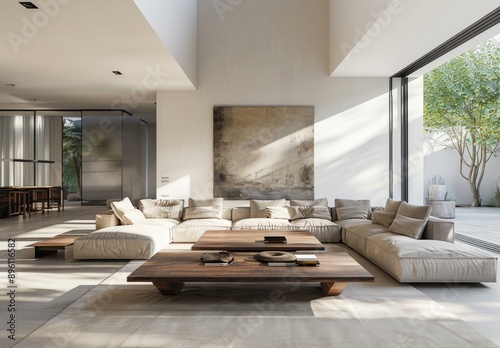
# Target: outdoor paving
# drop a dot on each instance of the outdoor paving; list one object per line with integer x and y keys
{"x": 479, "y": 223}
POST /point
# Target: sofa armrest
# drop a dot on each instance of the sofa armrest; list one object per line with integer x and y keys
{"x": 439, "y": 229}
{"x": 106, "y": 219}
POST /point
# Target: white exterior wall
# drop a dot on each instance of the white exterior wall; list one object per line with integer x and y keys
{"x": 445, "y": 162}
{"x": 274, "y": 53}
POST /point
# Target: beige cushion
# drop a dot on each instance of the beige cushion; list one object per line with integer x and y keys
{"x": 410, "y": 220}
{"x": 322, "y": 202}
{"x": 261, "y": 224}
{"x": 383, "y": 218}
{"x": 346, "y": 213}
{"x": 277, "y": 213}
{"x": 392, "y": 206}
{"x": 317, "y": 212}
{"x": 189, "y": 231}
{"x": 210, "y": 208}
{"x": 295, "y": 213}
{"x": 325, "y": 230}
{"x": 206, "y": 202}
{"x": 209, "y": 212}
{"x": 258, "y": 207}
{"x": 133, "y": 216}
{"x": 353, "y": 208}
{"x": 106, "y": 219}
{"x": 172, "y": 208}
{"x": 120, "y": 207}
{"x": 122, "y": 242}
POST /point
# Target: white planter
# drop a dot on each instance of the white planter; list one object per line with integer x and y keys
{"x": 442, "y": 209}
{"x": 437, "y": 192}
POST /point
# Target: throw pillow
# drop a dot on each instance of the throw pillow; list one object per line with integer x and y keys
{"x": 120, "y": 207}
{"x": 133, "y": 216}
{"x": 296, "y": 212}
{"x": 172, "y": 208}
{"x": 360, "y": 209}
{"x": 392, "y": 205}
{"x": 322, "y": 202}
{"x": 157, "y": 212}
{"x": 258, "y": 207}
{"x": 277, "y": 213}
{"x": 410, "y": 220}
{"x": 383, "y": 218}
{"x": 317, "y": 212}
{"x": 345, "y": 213}
{"x": 206, "y": 202}
{"x": 207, "y": 212}
{"x": 408, "y": 226}
{"x": 212, "y": 204}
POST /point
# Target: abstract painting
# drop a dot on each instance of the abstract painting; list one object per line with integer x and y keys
{"x": 264, "y": 152}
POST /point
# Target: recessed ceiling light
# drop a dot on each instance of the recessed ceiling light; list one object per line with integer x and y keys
{"x": 29, "y": 5}
{"x": 116, "y": 72}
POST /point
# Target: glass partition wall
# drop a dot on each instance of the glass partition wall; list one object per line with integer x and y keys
{"x": 95, "y": 155}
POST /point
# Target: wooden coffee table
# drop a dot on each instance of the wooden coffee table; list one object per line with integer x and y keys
{"x": 169, "y": 270}
{"x": 253, "y": 240}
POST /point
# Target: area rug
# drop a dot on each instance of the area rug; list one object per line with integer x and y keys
{"x": 379, "y": 314}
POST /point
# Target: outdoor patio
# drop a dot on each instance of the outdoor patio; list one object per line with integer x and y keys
{"x": 479, "y": 227}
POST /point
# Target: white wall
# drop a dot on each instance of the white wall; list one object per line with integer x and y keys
{"x": 446, "y": 163}
{"x": 276, "y": 52}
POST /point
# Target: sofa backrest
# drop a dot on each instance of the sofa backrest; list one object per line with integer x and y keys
{"x": 106, "y": 219}
{"x": 240, "y": 213}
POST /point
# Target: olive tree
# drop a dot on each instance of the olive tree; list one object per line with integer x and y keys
{"x": 462, "y": 100}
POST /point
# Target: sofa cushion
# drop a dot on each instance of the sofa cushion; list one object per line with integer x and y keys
{"x": 120, "y": 207}
{"x": 345, "y": 213}
{"x": 133, "y": 216}
{"x": 210, "y": 212}
{"x": 321, "y": 202}
{"x": 122, "y": 242}
{"x": 383, "y": 218}
{"x": 261, "y": 224}
{"x": 392, "y": 206}
{"x": 258, "y": 207}
{"x": 161, "y": 208}
{"x": 352, "y": 209}
{"x": 189, "y": 231}
{"x": 211, "y": 208}
{"x": 206, "y": 202}
{"x": 412, "y": 260}
{"x": 299, "y": 210}
{"x": 325, "y": 230}
{"x": 410, "y": 220}
{"x": 277, "y": 213}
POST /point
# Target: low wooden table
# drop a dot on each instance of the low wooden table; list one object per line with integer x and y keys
{"x": 253, "y": 240}
{"x": 62, "y": 242}
{"x": 169, "y": 270}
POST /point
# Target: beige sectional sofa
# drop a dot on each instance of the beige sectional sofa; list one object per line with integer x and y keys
{"x": 400, "y": 238}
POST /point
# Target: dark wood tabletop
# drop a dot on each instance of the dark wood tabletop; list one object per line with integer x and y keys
{"x": 253, "y": 240}
{"x": 169, "y": 270}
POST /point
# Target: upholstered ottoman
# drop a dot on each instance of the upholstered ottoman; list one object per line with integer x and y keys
{"x": 122, "y": 242}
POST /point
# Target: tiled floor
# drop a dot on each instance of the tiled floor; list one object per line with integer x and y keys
{"x": 48, "y": 285}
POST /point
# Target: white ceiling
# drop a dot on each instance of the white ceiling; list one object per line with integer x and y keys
{"x": 63, "y": 56}
{"x": 381, "y": 39}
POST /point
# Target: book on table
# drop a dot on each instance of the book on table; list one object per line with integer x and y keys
{"x": 306, "y": 260}
{"x": 274, "y": 239}
{"x": 218, "y": 263}
{"x": 281, "y": 263}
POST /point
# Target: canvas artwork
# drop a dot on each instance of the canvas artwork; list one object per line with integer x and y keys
{"x": 264, "y": 152}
